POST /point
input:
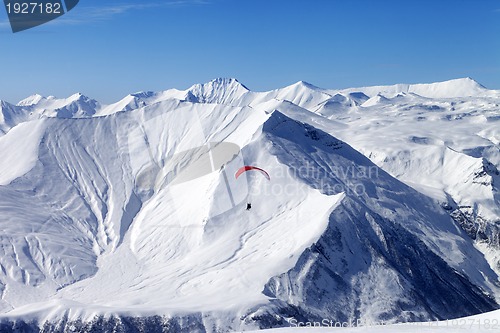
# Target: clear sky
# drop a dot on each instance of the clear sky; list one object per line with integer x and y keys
{"x": 109, "y": 48}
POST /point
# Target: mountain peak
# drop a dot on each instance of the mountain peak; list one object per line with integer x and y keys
{"x": 463, "y": 81}
{"x": 77, "y": 96}
{"x": 219, "y": 90}
{"x": 468, "y": 79}
{"x": 226, "y": 82}
{"x": 306, "y": 84}
{"x": 31, "y": 100}
{"x": 462, "y": 87}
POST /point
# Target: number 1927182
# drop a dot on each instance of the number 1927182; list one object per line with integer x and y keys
{"x": 34, "y": 8}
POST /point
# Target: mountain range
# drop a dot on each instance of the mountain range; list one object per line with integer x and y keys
{"x": 383, "y": 205}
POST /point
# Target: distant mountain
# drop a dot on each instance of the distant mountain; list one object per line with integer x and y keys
{"x": 37, "y": 106}
{"x": 464, "y": 87}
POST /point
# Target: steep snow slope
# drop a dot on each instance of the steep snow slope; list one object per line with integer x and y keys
{"x": 20, "y": 150}
{"x": 361, "y": 253}
{"x": 10, "y": 116}
{"x": 84, "y": 203}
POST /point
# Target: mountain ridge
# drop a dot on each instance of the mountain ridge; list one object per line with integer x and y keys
{"x": 222, "y": 82}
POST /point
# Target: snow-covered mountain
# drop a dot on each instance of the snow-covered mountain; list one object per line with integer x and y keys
{"x": 37, "y": 106}
{"x": 383, "y": 204}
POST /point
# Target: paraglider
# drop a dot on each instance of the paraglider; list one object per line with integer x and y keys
{"x": 250, "y": 168}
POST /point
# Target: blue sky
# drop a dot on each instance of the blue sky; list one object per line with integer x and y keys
{"x": 107, "y": 49}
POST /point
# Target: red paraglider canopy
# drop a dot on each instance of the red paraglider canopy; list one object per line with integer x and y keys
{"x": 248, "y": 168}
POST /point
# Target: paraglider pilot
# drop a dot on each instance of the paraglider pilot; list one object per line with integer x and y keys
{"x": 248, "y": 168}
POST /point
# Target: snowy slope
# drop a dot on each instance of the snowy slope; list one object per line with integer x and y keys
{"x": 132, "y": 210}
{"x": 445, "y": 148}
{"x": 10, "y": 116}
{"x": 18, "y": 161}
{"x": 360, "y": 253}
